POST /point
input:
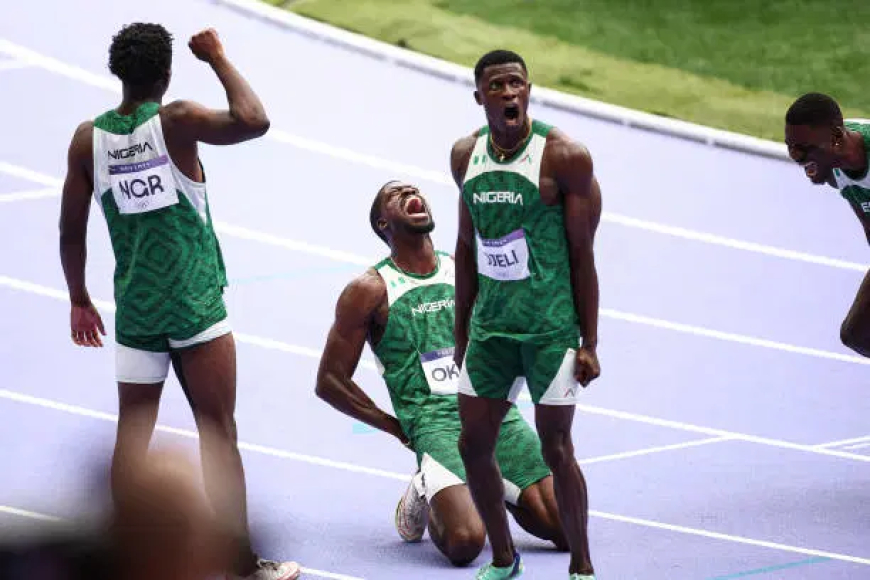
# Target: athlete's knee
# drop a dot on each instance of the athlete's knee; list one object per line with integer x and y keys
{"x": 217, "y": 425}
{"x": 557, "y": 448}
{"x": 463, "y": 543}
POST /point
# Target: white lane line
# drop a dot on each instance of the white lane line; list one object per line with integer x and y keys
{"x": 844, "y": 442}
{"x": 729, "y": 538}
{"x": 30, "y": 175}
{"x": 713, "y": 432}
{"x": 402, "y": 477}
{"x": 30, "y": 56}
{"x": 651, "y": 450}
{"x": 262, "y": 449}
{"x": 28, "y": 514}
{"x": 269, "y": 343}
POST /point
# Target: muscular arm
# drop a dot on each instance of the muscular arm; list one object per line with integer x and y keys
{"x": 74, "y": 210}
{"x": 466, "y": 265}
{"x": 864, "y": 219}
{"x": 244, "y": 119}
{"x": 582, "y": 203}
{"x": 344, "y": 344}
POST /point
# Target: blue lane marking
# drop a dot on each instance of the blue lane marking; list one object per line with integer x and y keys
{"x": 769, "y": 569}
{"x": 359, "y": 428}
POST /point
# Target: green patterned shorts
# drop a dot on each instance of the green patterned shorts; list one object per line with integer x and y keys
{"x": 495, "y": 367}
{"x": 518, "y": 452}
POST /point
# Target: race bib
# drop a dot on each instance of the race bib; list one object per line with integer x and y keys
{"x": 441, "y": 372}
{"x": 143, "y": 186}
{"x": 506, "y": 258}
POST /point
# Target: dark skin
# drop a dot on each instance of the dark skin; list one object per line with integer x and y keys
{"x": 207, "y": 371}
{"x": 361, "y": 316}
{"x": 567, "y": 178}
{"x": 819, "y": 150}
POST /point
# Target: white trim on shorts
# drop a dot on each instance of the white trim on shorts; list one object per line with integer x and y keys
{"x": 143, "y": 367}
{"x": 563, "y": 390}
{"x": 434, "y": 477}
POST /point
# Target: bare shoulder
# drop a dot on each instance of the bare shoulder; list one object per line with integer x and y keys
{"x": 179, "y": 108}
{"x": 460, "y": 154}
{"x": 363, "y": 294}
{"x": 84, "y": 134}
{"x": 567, "y": 152}
{"x": 81, "y": 147}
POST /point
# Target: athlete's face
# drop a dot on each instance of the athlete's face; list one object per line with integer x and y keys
{"x": 503, "y": 91}
{"x": 404, "y": 209}
{"x": 817, "y": 149}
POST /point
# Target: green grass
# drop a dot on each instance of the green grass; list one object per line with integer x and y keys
{"x": 731, "y": 64}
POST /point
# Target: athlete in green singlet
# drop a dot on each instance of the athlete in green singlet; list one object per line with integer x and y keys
{"x": 836, "y": 152}
{"x": 140, "y": 163}
{"x": 403, "y": 307}
{"x": 526, "y": 298}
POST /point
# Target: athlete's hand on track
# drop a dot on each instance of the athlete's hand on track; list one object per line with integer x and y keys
{"x": 86, "y": 325}
{"x": 586, "y": 367}
{"x": 206, "y": 45}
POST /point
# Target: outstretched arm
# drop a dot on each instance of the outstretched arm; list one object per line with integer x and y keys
{"x": 466, "y": 264}
{"x": 245, "y": 118}
{"x": 75, "y": 205}
{"x": 582, "y": 198}
{"x": 344, "y": 344}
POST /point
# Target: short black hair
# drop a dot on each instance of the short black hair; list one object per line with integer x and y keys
{"x": 375, "y": 211}
{"x": 494, "y": 57}
{"x": 815, "y": 110}
{"x": 141, "y": 54}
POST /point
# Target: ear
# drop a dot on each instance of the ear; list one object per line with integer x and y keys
{"x": 382, "y": 223}
{"x": 838, "y": 138}
{"x": 477, "y": 97}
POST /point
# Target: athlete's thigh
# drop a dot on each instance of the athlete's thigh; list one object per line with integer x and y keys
{"x": 491, "y": 369}
{"x": 518, "y": 452}
{"x": 549, "y": 370}
{"x": 439, "y": 461}
{"x": 209, "y": 371}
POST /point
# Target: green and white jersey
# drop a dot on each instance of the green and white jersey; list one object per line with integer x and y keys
{"x": 524, "y": 283}
{"x": 168, "y": 264}
{"x": 415, "y": 353}
{"x": 856, "y": 189}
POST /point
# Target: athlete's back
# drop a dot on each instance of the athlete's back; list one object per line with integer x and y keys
{"x": 169, "y": 270}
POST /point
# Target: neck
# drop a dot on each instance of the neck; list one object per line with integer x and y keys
{"x": 855, "y": 159}
{"x": 133, "y": 99}
{"x": 415, "y": 254}
{"x": 510, "y": 138}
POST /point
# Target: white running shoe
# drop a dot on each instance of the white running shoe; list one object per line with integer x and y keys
{"x": 269, "y": 570}
{"x": 412, "y": 512}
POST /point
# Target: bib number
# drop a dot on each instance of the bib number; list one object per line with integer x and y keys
{"x": 505, "y": 258}
{"x": 144, "y": 186}
{"x": 441, "y": 372}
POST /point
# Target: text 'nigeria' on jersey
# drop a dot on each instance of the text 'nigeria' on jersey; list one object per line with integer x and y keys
{"x": 127, "y": 152}
{"x": 497, "y": 197}
{"x": 427, "y": 307}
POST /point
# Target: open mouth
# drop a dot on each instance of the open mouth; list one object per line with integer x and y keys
{"x": 415, "y": 207}
{"x": 512, "y": 112}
